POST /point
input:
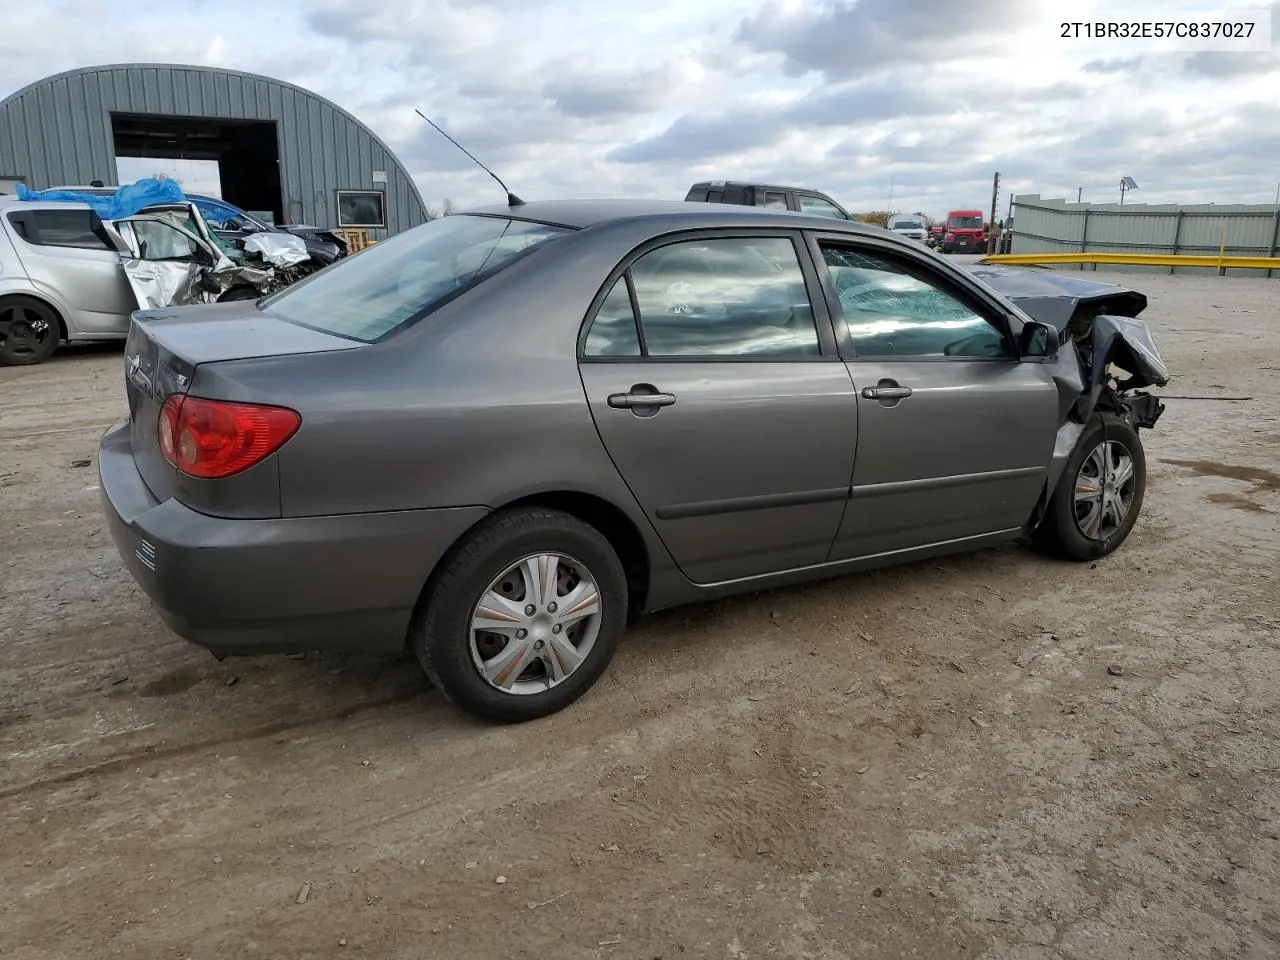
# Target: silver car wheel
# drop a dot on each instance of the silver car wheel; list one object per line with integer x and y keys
{"x": 1104, "y": 490}
{"x": 535, "y": 624}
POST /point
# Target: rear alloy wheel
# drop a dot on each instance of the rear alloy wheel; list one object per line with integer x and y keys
{"x": 524, "y": 617}
{"x": 29, "y": 331}
{"x": 1100, "y": 494}
{"x": 536, "y": 623}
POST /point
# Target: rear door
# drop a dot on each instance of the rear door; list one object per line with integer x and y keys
{"x": 66, "y": 252}
{"x": 711, "y": 370}
{"x": 955, "y": 434}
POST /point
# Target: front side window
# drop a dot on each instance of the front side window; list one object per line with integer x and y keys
{"x": 891, "y": 312}
{"x": 816, "y": 206}
{"x": 154, "y": 240}
{"x": 742, "y": 297}
{"x": 399, "y": 280}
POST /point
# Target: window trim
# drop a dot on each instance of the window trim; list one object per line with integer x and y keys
{"x": 827, "y": 347}
{"x": 337, "y": 204}
{"x": 962, "y": 288}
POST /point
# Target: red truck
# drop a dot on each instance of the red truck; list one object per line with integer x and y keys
{"x": 965, "y": 232}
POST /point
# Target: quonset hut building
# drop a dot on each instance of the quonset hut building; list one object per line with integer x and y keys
{"x": 280, "y": 149}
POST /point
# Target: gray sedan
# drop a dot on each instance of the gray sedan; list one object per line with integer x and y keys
{"x": 500, "y": 436}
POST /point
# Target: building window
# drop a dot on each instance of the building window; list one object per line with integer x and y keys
{"x": 362, "y": 208}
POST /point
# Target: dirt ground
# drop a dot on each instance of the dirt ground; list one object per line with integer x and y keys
{"x": 994, "y": 756}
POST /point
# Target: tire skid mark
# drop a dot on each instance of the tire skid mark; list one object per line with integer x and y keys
{"x": 152, "y": 754}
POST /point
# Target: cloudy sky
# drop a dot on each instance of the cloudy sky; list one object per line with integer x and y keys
{"x": 919, "y": 99}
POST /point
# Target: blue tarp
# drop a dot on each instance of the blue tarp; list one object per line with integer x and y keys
{"x": 128, "y": 200}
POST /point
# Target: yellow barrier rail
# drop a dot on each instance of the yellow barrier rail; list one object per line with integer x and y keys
{"x": 1212, "y": 261}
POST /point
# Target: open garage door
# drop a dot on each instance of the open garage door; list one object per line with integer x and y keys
{"x": 247, "y": 152}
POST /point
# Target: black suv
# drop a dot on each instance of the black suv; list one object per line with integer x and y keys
{"x": 798, "y": 199}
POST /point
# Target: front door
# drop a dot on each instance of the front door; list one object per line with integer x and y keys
{"x": 726, "y": 410}
{"x": 163, "y": 262}
{"x": 955, "y": 434}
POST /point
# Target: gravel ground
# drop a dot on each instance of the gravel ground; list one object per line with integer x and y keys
{"x": 992, "y": 756}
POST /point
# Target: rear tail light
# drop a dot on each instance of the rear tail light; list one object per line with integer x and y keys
{"x": 211, "y": 439}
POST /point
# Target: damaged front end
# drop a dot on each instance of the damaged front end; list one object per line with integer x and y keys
{"x": 1106, "y": 356}
{"x": 171, "y": 258}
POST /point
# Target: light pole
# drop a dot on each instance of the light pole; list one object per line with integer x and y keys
{"x": 1079, "y": 193}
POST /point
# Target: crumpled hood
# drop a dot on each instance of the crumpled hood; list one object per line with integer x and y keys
{"x": 1053, "y": 297}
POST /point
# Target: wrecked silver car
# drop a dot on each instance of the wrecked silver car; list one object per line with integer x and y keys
{"x": 68, "y": 274}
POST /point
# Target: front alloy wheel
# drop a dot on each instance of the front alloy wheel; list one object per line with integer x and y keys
{"x": 1100, "y": 493}
{"x": 1104, "y": 490}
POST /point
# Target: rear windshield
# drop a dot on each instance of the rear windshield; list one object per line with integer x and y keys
{"x": 965, "y": 223}
{"x": 397, "y": 281}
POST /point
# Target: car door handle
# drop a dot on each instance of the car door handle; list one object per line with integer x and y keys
{"x": 629, "y": 401}
{"x": 886, "y": 393}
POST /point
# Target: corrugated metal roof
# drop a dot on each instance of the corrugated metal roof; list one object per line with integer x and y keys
{"x": 58, "y": 131}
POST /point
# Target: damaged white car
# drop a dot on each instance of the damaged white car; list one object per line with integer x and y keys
{"x": 66, "y": 274}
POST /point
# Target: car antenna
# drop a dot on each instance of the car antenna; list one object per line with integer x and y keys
{"x": 512, "y": 199}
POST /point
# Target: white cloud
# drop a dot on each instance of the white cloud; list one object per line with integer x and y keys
{"x": 602, "y": 98}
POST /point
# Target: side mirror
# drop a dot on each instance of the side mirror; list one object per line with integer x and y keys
{"x": 1038, "y": 341}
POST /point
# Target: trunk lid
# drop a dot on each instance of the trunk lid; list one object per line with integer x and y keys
{"x": 165, "y": 347}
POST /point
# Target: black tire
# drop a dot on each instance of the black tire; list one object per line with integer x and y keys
{"x": 21, "y": 344}
{"x": 240, "y": 293}
{"x": 440, "y": 634}
{"x": 1059, "y": 532}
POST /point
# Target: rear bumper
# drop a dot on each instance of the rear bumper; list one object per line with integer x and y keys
{"x": 271, "y": 586}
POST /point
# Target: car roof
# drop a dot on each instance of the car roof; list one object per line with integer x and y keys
{"x": 580, "y": 214}
{"x": 752, "y": 183}
{"x": 12, "y": 202}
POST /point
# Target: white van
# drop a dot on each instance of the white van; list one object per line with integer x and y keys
{"x": 909, "y": 225}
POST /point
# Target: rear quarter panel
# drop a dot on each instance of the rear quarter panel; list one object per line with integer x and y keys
{"x": 479, "y": 404}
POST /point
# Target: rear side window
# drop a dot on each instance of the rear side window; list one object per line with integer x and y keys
{"x": 397, "y": 281}
{"x": 775, "y": 201}
{"x": 61, "y": 228}
{"x": 613, "y": 332}
{"x": 723, "y": 298}
{"x": 816, "y": 206}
